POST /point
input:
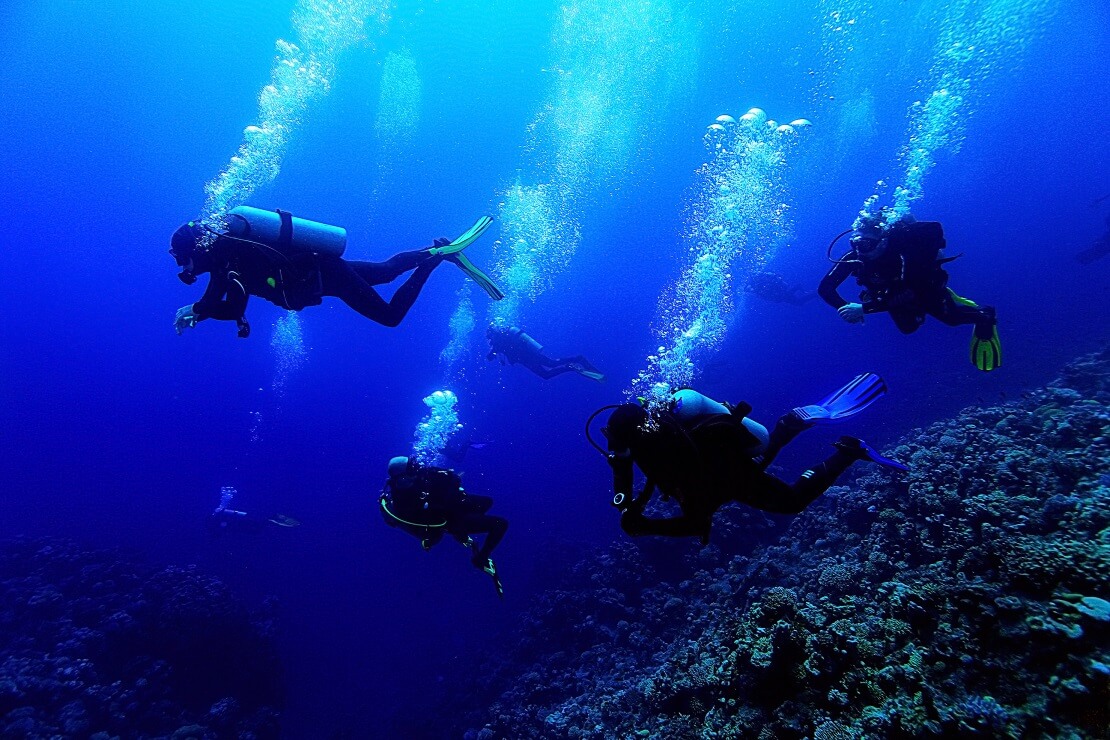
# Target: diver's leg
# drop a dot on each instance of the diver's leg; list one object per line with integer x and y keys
{"x": 340, "y": 280}
{"x": 494, "y": 527}
{"x": 477, "y": 504}
{"x": 945, "y": 308}
{"x": 379, "y": 273}
{"x": 786, "y": 429}
{"x": 769, "y": 493}
{"x": 545, "y": 367}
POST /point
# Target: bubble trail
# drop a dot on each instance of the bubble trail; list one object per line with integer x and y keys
{"x": 615, "y": 64}
{"x": 737, "y": 216}
{"x": 440, "y": 423}
{"x": 976, "y": 39}
{"x": 290, "y": 353}
{"x": 399, "y": 100}
{"x": 301, "y": 72}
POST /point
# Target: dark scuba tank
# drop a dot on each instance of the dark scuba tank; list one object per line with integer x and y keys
{"x": 262, "y": 226}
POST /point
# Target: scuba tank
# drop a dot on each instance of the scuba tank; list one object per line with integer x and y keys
{"x": 526, "y": 340}
{"x": 265, "y": 227}
{"x": 690, "y": 405}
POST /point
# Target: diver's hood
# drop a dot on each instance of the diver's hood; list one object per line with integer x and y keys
{"x": 399, "y": 466}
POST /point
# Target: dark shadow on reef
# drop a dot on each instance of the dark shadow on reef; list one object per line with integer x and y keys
{"x": 94, "y": 646}
{"x": 966, "y": 599}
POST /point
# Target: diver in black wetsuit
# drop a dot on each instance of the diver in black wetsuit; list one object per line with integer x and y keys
{"x": 294, "y": 263}
{"x": 224, "y": 518}
{"x": 514, "y": 347}
{"x": 771, "y": 286}
{"x": 239, "y": 269}
{"x": 428, "y": 502}
{"x": 705, "y": 454}
{"x": 900, "y": 270}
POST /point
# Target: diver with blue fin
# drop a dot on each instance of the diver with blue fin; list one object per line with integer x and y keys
{"x": 898, "y": 266}
{"x": 293, "y": 263}
{"x": 428, "y": 502}
{"x": 515, "y": 347}
{"x": 704, "y": 454}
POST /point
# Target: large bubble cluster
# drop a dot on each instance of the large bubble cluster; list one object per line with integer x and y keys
{"x": 615, "y": 63}
{"x": 537, "y": 241}
{"x": 976, "y": 38}
{"x": 300, "y": 73}
{"x": 737, "y": 216}
{"x": 287, "y": 344}
{"x": 399, "y": 100}
{"x": 436, "y": 429}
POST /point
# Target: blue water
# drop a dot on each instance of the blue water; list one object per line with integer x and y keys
{"x": 115, "y": 431}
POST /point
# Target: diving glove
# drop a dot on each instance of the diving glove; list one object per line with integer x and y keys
{"x": 185, "y": 319}
{"x": 851, "y": 312}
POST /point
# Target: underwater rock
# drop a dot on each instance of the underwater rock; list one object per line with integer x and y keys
{"x": 962, "y": 599}
{"x": 96, "y": 646}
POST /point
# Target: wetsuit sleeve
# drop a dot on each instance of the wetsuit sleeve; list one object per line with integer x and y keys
{"x": 832, "y": 280}
{"x": 224, "y": 299}
{"x": 634, "y": 523}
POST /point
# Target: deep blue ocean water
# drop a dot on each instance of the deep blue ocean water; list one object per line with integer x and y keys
{"x": 115, "y": 431}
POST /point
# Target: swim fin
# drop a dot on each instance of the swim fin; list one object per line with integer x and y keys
{"x": 863, "y": 451}
{"x": 581, "y": 366}
{"x": 464, "y": 241}
{"x": 472, "y": 272}
{"x": 490, "y": 569}
{"x": 853, "y": 398}
{"x": 986, "y": 349}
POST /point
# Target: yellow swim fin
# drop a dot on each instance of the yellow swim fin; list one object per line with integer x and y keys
{"x": 986, "y": 349}
{"x": 464, "y": 241}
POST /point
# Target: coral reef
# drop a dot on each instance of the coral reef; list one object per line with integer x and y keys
{"x": 967, "y": 598}
{"x": 94, "y": 646}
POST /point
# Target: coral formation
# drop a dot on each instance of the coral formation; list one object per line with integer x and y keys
{"x": 965, "y": 599}
{"x": 96, "y": 647}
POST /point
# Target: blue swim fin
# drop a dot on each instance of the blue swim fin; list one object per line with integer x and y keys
{"x": 853, "y": 398}
{"x": 864, "y": 451}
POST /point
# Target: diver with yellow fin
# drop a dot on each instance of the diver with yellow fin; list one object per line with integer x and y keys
{"x": 897, "y": 264}
{"x": 428, "y": 502}
{"x": 293, "y": 263}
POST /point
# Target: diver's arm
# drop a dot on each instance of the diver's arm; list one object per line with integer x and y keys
{"x": 223, "y": 299}
{"x": 634, "y": 523}
{"x": 832, "y": 280}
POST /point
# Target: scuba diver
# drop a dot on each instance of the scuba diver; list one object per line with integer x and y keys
{"x": 225, "y": 518}
{"x": 1101, "y": 247}
{"x": 514, "y": 347}
{"x": 770, "y": 286}
{"x": 705, "y": 454}
{"x": 294, "y": 263}
{"x": 897, "y": 264}
{"x": 428, "y": 502}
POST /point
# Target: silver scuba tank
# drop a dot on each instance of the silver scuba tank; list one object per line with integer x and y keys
{"x": 265, "y": 227}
